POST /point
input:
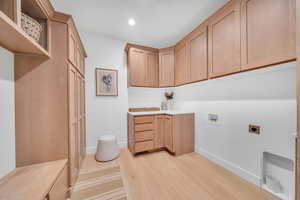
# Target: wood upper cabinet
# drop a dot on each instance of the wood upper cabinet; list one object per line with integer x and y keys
{"x": 159, "y": 131}
{"x": 268, "y": 32}
{"x": 137, "y": 67}
{"x": 151, "y": 69}
{"x": 166, "y": 68}
{"x": 224, "y": 41}
{"x": 240, "y": 36}
{"x": 182, "y": 70}
{"x": 168, "y": 136}
{"x": 197, "y": 55}
{"x": 143, "y": 68}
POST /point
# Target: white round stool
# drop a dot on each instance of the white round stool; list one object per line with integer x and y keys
{"x": 107, "y": 148}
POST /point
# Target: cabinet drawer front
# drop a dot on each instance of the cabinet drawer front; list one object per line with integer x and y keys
{"x": 143, "y": 119}
{"x": 144, "y": 146}
{"x": 143, "y": 127}
{"x": 143, "y": 136}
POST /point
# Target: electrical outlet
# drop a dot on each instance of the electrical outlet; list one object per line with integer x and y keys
{"x": 254, "y": 129}
{"x": 213, "y": 118}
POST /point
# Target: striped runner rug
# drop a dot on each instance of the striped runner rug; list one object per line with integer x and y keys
{"x": 104, "y": 184}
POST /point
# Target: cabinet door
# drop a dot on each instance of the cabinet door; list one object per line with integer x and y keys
{"x": 78, "y": 57}
{"x": 152, "y": 70}
{"x": 181, "y": 68}
{"x": 137, "y": 67}
{"x": 268, "y": 32}
{"x": 167, "y": 69}
{"x": 168, "y": 135}
{"x": 159, "y": 131}
{"x": 79, "y": 119}
{"x": 73, "y": 126}
{"x": 72, "y": 47}
{"x": 197, "y": 56}
{"x": 9, "y": 8}
{"x": 82, "y": 64}
{"x": 224, "y": 41}
{"x": 81, "y": 122}
{"x": 83, "y": 118}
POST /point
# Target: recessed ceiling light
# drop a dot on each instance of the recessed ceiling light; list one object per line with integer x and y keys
{"x": 131, "y": 22}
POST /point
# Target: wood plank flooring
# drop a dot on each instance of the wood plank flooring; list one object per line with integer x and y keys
{"x": 160, "y": 176}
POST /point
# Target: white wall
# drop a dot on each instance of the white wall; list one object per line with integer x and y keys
{"x": 105, "y": 115}
{"x": 146, "y": 97}
{"x": 7, "y": 113}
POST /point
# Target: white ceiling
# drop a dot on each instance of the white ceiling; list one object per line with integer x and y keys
{"x": 159, "y": 23}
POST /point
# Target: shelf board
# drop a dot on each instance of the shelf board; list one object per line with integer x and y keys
{"x": 16, "y": 40}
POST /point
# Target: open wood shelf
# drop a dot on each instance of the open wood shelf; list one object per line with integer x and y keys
{"x": 16, "y": 40}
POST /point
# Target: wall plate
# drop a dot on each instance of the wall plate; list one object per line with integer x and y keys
{"x": 254, "y": 129}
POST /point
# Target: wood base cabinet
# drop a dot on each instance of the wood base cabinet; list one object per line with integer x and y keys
{"x": 168, "y": 134}
{"x": 153, "y": 132}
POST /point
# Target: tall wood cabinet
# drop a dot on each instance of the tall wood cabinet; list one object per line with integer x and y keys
{"x": 76, "y": 121}
{"x": 49, "y": 92}
{"x": 76, "y": 94}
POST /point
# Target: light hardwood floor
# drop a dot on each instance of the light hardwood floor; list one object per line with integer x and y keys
{"x": 160, "y": 176}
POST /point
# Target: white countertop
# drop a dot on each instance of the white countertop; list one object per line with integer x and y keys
{"x": 166, "y": 112}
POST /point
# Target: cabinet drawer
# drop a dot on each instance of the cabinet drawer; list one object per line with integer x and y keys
{"x": 144, "y": 146}
{"x": 143, "y": 127}
{"x": 143, "y": 119}
{"x": 143, "y": 136}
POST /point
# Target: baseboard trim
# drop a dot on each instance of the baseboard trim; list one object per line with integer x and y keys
{"x": 92, "y": 149}
{"x": 245, "y": 174}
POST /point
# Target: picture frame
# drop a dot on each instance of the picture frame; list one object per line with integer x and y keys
{"x": 106, "y": 82}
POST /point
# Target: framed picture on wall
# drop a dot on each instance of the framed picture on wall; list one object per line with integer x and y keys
{"x": 106, "y": 82}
